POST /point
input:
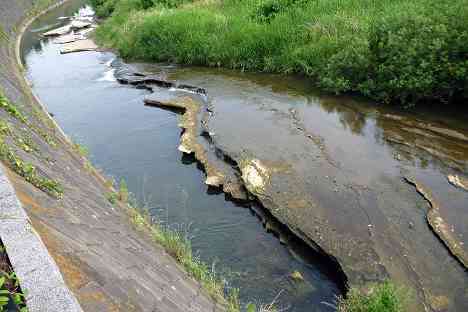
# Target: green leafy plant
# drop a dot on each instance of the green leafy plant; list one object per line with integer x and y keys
{"x": 112, "y": 197}
{"x": 10, "y": 291}
{"x": 28, "y": 171}
{"x": 11, "y": 109}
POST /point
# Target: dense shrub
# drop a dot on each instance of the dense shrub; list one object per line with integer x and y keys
{"x": 420, "y": 57}
{"x": 391, "y": 50}
{"x": 104, "y": 8}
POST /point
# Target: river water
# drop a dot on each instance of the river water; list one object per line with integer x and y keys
{"x": 139, "y": 143}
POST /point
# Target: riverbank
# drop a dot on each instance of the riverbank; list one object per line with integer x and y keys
{"x": 344, "y": 46}
{"x": 72, "y": 234}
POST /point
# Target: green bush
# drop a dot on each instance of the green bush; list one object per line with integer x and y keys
{"x": 391, "y": 50}
{"x": 104, "y": 8}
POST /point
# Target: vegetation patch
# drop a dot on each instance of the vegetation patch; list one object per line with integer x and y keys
{"x": 17, "y": 164}
{"x": 384, "y": 297}
{"x": 17, "y": 114}
{"x": 395, "y": 51}
{"x": 28, "y": 171}
{"x": 11, "y": 109}
{"x": 11, "y": 296}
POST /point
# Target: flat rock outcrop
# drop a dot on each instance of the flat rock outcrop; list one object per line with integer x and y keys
{"x": 335, "y": 176}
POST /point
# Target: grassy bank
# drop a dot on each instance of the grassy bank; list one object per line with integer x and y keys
{"x": 395, "y": 51}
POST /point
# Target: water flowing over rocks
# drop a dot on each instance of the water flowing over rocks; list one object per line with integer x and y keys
{"x": 359, "y": 213}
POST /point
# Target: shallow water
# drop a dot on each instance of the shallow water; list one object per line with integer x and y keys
{"x": 139, "y": 143}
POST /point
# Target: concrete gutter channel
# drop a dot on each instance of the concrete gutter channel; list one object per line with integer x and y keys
{"x": 78, "y": 253}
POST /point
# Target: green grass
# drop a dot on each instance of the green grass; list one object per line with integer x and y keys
{"x": 179, "y": 247}
{"x": 396, "y": 51}
{"x": 384, "y": 297}
{"x": 8, "y": 155}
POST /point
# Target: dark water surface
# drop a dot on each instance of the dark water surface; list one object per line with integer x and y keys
{"x": 138, "y": 143}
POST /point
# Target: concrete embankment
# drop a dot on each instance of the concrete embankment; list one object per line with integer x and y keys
{"x": 96, "y": 259}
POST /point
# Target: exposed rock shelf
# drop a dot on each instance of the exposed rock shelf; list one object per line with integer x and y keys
{"x": 370, "y": 223}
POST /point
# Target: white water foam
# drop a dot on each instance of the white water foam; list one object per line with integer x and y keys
{"x": 108, "y": 76}
{"x": 109, "y": 62}
{"x": 86, "y": 11}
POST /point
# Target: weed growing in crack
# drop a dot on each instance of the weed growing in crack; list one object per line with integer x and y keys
{"x": 10, "y": 292}
{"x": 383, "y": 297}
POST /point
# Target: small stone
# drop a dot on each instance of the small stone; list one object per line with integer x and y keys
{"x": 297, "y": 276}
{"x": 439, "y": 303}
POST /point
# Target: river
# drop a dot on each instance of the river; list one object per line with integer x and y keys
{"x": 343, "y": 156}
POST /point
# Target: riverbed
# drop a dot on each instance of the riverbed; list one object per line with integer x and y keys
{"x": 130, "y": 141}
{"x": 335, "y": 174}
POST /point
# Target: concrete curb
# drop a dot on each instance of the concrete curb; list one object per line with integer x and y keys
{"x": 38, "y": 273}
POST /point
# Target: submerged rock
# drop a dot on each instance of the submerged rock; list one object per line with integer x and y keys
{"x": 336, "y": 189}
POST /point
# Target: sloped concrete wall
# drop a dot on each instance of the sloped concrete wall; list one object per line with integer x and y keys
{"x": 39, "y": 275}
{"x": 106, "y": 263}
